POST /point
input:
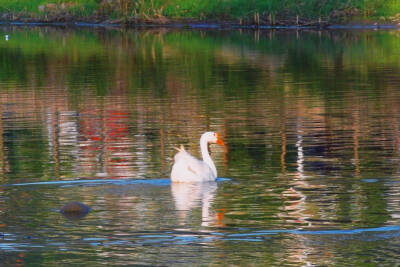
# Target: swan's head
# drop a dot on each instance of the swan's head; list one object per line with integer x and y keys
{"x": 213, "y": 138}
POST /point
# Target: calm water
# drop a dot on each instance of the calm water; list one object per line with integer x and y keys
{"x": 311, "y": 170}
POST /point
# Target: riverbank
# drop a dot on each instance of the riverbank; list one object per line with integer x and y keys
{"x": 207, "y": 13}
{"x": 203, "y": 25}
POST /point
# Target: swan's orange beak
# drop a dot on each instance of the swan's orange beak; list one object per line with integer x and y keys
{"x": 219, "y": 140}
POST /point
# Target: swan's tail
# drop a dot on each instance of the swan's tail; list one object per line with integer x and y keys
{"x": 180, "y": 149}
{"x": 181, "y": 152}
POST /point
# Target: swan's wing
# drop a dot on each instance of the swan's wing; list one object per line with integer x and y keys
{"x": 191, "y": 163}
{"x": 189, "y": 168}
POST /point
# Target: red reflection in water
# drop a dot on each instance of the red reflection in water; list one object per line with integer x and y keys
{"x": 106, "y": 143}
{"x": 118, "y": 144}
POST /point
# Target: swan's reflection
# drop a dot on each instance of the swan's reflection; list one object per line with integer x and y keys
{"x": 188, "y": 196}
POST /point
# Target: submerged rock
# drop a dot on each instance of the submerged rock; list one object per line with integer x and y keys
{"x": 74, "y": 210}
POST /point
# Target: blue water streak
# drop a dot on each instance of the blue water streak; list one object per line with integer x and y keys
{"x": 319, "y": 232}
{"x": 155, "y": 182}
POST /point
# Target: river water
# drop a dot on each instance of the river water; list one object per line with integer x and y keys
{"x": 309, "y": 176}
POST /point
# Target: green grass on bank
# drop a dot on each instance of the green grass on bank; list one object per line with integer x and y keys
{"x": 264, "y": 11}
{"x": 36, "y": 8}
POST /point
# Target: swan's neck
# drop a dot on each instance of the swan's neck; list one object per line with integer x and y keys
{"x": 206, "y": 157}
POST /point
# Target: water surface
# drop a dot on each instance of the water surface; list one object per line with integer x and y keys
{"x": 310, "y": 118}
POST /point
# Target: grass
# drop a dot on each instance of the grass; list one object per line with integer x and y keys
{"x": 33, "y": 5}
{"x": 249, "y": 11}
{"x": 38, "y": 8}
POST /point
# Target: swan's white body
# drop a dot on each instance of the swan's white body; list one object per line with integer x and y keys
{"x": 189, "y": 169}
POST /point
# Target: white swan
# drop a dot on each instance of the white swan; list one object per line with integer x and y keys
{"x": 189, "y": 169}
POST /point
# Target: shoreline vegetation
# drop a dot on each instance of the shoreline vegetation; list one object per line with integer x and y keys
{"x": 207, "y": 13}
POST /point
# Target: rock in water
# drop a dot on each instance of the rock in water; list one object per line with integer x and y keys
{"x": 74, "y": 210}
